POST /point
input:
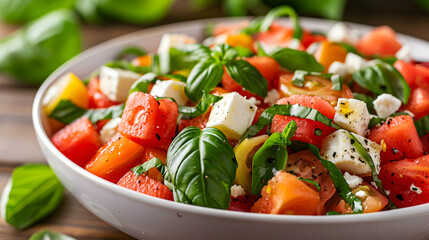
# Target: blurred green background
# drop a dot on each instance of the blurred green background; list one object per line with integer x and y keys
{"x": 52, "y": 31}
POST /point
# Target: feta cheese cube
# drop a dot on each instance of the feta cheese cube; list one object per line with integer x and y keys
{"x": 352, "y": 180}
{"x": 115, "y": 83}
{"x": 237, "y": 191}
{"x": 338, "y": 68}
{"x": 272, "y": 97}
{"x": 354, "y": 62}
{"x": 170, "y": 88}
{"x": 386, "y": 104}
{"x": 404, "y": 53}
{"x": 338, "y": 148}
{"x": 168, "y": 41}
{"x": 109, "y": 130}
{"x": 233, "y": 114}
{"x": 353, "y": 115}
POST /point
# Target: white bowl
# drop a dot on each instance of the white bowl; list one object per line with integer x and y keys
{"x": 146, "y": 217}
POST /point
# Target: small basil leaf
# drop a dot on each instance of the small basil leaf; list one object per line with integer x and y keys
{"x": 383, "y": 78}
{"x": 187, "y": 56}
{"x": 271, "y": 157}
{"x": 337, "y": 82}
{"x": 243, "y": 51}
{"x": 152, "y": 163}
{"x": 202, "y": 167}
{"x": 248, "y": 77}
{"x": 316, "y": 184}
{"x": 48, "y": 235}
{"x": 260, "y": 50}
{"x": 205, "y": 76}
{"x": 422, "y": 125}
{"x": 177, "y": 77}
{"x": 67, "y": 112}
{"x": 282, "y": 11}
{"x": 201, "y": 107}
{"x": 34, "y": 193}
{"x": 142, "y": 84}
{"x": 299, "y": 78}
{"x": 286, "y": 110}
{"x": 131, "y": 51}
{"x": 125, "y": 65}
{"x": 224, "y": 53}
{"x": 340, "y": 183}
{"x": 367, "y": 99}
{"x": 293, "y": 60}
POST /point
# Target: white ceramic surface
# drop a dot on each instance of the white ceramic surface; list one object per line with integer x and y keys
{"x": 145, "y": 217}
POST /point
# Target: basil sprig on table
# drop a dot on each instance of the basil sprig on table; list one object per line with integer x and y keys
{"x": 340, "y": 183}
{"x": 208, "y": 73}
{"x": 271, "y": 157}
{"x": 293, "y": 60}
{"x": 48, "y": 235}
{"x": 299, "y": 78}
{"x": 200, "y": 168}
{"x": 34, "y": 193}
{"x": 286, "y": 110}
{"x": 383, "y": 78}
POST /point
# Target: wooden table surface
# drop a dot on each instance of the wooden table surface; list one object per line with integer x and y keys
{"x": 18, "y": 143}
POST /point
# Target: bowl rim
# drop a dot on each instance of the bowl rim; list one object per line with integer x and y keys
{"x": 37, "y": 112}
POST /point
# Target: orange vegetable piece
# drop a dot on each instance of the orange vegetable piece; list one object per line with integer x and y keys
{"x": 241, "y": 39}
{"x": 142, "y": 61}
{"x": 330, "y": 52}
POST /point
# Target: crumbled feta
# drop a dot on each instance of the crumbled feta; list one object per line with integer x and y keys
{"x": 354, "y": 62}
{"x": 254, "y": 101}
{"x": 237, "y": 191}
{"x": 353, "y": 115}
{"x": 272, "y": 97}
{"x": 170, "y": 88}
{"x": 352, "y": 180}
{"x": 109, "y": 130}
{"x": 404, "y": 53}
{"x": 386, "y": 104}
{"x": 339, "y": 149}
{"x": 339, "y": 32}
{"x": 115, "y": 83}
{"x": 168, "y": 41}
{"x": 361, "y": 194}
{"x": 415, "y": 189}
{"x": 233, "y": 114}
{"x": 338, "y": 68}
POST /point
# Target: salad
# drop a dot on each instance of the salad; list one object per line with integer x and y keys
{"x": 259, "y": 117}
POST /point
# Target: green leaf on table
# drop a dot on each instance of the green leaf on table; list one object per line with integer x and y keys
{"x": 202, "y": 167}
{"x": 382, "y": 78}
{"x": 293, "y": 60}
{"x": 34, "y": 192}
{"x": 271, "y": 157}
{"x": 205, "y": 76}
{"x": 202, "y": 106}
{"x": 48, "y": 235}
{"x": 248, "y": 77}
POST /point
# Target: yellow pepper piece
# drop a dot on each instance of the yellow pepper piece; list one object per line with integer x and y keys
{"x": 244, "y": 154}
{"x": 69, "y": 87}
{"x": 183, "y": 72}
{"x": 330, "y": 52}
{"x": 241, "y": 39}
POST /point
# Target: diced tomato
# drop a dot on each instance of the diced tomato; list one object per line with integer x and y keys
{"x": 100, "y": 124}
{"x": 96, "y": 98}
{"x": 407, "y": 181}
{"x": 309, "y": 38}
{"x": 150, "y": 153}
{"x": 422, "y": 79}
{"x": 379, "y": 41}
{"x": 374, "y": 201}
{"x": 285, "y": 194}
{"x": 306, "y": 131}
{"x": 148, "y": 121}
{"x": 115, "y": 158}
{"x": 277, "y": 36}
{"x": 199, "y": 122}
{"x": 304, "y": 164}
{"x": 146, "y": 185}
{"x": 401, "y": 139}
{"x": 408, "y": 71}
{"x": 242, "y": 203}
{"x": 418, "y": 103}
{"x": 78, "y": 141}
{"x": 425, "y": 143}
{"x": 313, "y": 86}
{"x": 222, "y": 28}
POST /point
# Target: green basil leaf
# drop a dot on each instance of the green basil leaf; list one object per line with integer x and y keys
{"x": 202, "y": 167}
{"x": 383, "y": 78}
{"x": 299, "y": 78}
{"x": 205, "y": 76}
{"x": 125, "y": 65}
{"x": 286, "y": 110}
{"x": 293, "y": 60}
{"x": 201, "y": 107}
{"x": 279, "y": 12}
{"x": 422, "y": 125}
{"x": 260, "y": 50}
{"x": 177, "y": 77}
{"x": 224, "y": 53}
{"x": 367, "y": 99}
{"x": 337, "y": 82}
{"x": 34, "y": 193}
{"x": 271, "y": 157}
{"x": 243, "y": 51}
{"x": 187, "y": 56}
{"x": 316, "y": 184}
{"x": 67, "y": 112}
{"x": 254, "y": 26}
{"x": 340, "y": 183}
{"x": 131, "y": 51}
{"x": 142, "y": 84}
{"x": 248, "y": 77}
{"x": 48, "y": 235}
